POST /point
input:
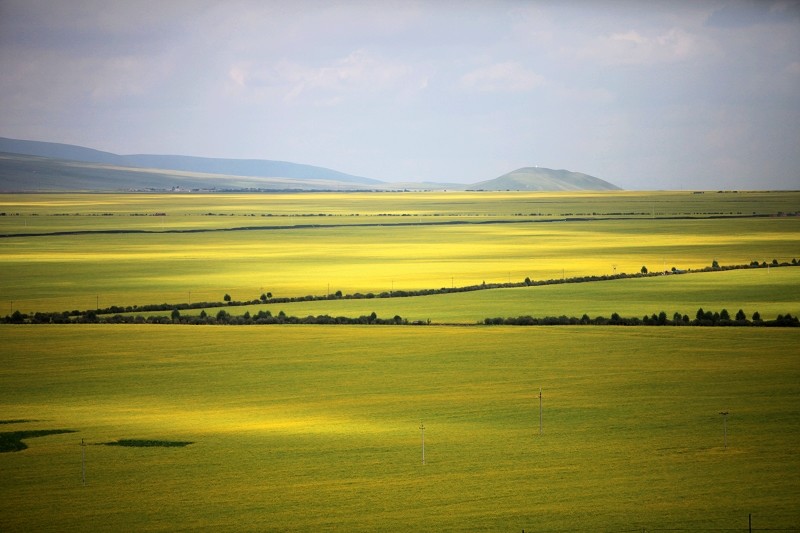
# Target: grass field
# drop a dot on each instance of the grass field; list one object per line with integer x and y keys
{"x": 768, "y": 292}
{"x": 54, "y": 273}
{"x": 317, "y": 428}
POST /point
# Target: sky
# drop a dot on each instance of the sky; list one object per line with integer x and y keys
{"x": 701, "y": 94}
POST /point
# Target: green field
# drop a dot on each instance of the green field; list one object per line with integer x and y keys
{"x": 346, "y": 252}
{"x": 769, "y": 292}
{"x": 318, "y": 427}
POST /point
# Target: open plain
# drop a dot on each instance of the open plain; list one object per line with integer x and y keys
{"x": 309, "y": 427}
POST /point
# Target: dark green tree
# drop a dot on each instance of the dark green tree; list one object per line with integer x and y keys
{"x": 740, "y": 315}
{"x": 644, "y": 269}
{"x": 227, "y": 297}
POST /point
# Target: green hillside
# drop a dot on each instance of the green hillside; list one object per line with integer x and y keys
{"x": 545, "y": 179}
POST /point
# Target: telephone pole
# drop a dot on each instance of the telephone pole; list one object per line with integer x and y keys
{"x": 422, "y": 429}
{"x": 540, "y": 410}
{"x": 725, "y": 427}
{"x": 83, "y": 462}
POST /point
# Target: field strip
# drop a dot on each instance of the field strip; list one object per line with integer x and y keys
{"x": 362, "y": 225}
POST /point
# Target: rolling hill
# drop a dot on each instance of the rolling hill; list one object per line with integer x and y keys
{"x": 164, "y": 171}
{"x": 28, "y": 173}
{"x": 43, "y": 166}
{"x": 544, "y": 179}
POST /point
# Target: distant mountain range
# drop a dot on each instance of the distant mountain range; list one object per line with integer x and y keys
{"x": 43, "y": 166}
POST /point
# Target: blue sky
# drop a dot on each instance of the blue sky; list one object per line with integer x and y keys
{"x": 647, "y": 95}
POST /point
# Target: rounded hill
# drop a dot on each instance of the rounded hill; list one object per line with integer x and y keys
{"x": 545, "y": 179}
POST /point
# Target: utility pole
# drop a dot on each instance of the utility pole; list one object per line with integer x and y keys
{"x": 83, "y": 462}
{"x": 422, "y": 429}
{"x": 725, "y": 427}
{"x": 540, "y": 410}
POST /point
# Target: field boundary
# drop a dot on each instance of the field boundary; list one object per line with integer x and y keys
{"x": 633, "y": 216}
{"x": 126, "y": 315}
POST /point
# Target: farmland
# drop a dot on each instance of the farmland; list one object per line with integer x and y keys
{"x": 421, "y": 241}
{"x": 309, "y": 427}
{"x": 317, "y": 428}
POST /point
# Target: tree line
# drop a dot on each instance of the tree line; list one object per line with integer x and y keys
{"x": 221, "y": 317}
{"x": 702, "y": 318}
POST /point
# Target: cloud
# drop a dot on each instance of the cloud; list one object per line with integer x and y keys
{"x": 509, "y": 77}
{"x": 634, "y": 47}
{"x": 354, "y": 75}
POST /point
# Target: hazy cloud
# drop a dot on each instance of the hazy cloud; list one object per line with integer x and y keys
{"x": 508, "y": 76}
{"x": 634, "y": 47}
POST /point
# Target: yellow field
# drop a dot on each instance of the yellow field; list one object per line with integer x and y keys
{"x": 304, "y": 428}
{"x": 53, "y": 273}
{"x": 317, "y": 428}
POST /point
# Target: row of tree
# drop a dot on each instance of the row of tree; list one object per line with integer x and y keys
{"x": 222, "y": 317}
{"x": 702, "y": 318}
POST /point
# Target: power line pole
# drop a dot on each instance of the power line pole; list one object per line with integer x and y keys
{"x": 540, "y": 410}
{"x": 422, "y": 429}
{"x": 83, "y": 462}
